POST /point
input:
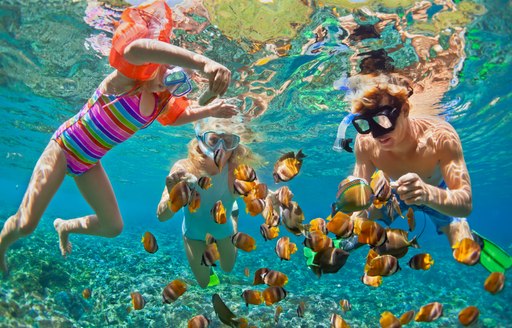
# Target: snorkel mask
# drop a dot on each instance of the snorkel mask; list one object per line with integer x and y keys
{"x": 211, "y": 141}
{"x": 176, "y": 78}
{"x": 379, "y": 122}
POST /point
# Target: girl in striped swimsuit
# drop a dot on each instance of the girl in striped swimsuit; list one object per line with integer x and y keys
{"x": 120, "y": 107}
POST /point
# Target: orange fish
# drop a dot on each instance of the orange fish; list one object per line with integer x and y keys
{"x": 421, "y": 261}
{"x": 204, "y": 182}
{"x": 317, "y": 241}
{"x": 271, "y": 217}
{"x": 284, "y": 196}
{"x": 252, "y": 297}
{"x": 219, "y": 158}
{"x": 194, "y": 202}
{"x": 329, "y": 260}
{"x": 397, "y": 243}
{"x": 288, "y": 166}
{"x": 274, "y": 278}
{"x": 369, "y": 232}
{"x": 345, "y": 305}
{"x": 245, "y": 173}
{"x": 218, "y": 213}
{"x": 467, "y": 251}
{"x": 393, "y": 208}
{"x": 149, "y": 241}
{"x": 301, "y": 309}
{"x": 381, "y": 187}
{"x": 388, "y": 320}
{"x": 429, "y": 312}
{"x": 338, "y": 322}
{"x": 468, "y": 315}
{"x": 199, "y": 321}
{"x": 292, "y": 218}
{"x": 341, "y": 225}
{"x": 375, "y": 281}
{"x": 273, "y": 294}
{"x": 284, "y": 249}
{"x": 86, "y": 293}
{"x": 179, "y": 196}
{"x": 406, "y": 317}
{"x": 410, "y": 219}
{"x": 247, "y": 273}
{"x": 494, "y": 282}
{"x": 260, "y": 191}
{"x": 253, "y": 205}
{"x": 243, "y": 241}
{"x": 243, "y": 187}
{"x": 383, "y": 265}
{"x": 269, "y": 233}
{"x": 258, "y": 276}
{"x": 318, "y": 224}
{"x": 173, "y": 290}
{"x": 353, "y": 195}
{"x": 138, "y": 301}
{"x": 279, "y": 310}
{"x": 210, "y": 255}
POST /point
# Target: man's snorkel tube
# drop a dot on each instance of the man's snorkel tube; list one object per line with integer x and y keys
{"x": 341, "y": 142}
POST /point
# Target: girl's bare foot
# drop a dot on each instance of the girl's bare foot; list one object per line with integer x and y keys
{"x": 64, "y": 244}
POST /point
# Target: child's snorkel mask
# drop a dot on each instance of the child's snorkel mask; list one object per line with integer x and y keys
{"x": 211, "y": 141}
{"x": 177, "y": 80}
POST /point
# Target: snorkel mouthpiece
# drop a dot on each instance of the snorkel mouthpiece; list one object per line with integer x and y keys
{"x": 341, "y": 143}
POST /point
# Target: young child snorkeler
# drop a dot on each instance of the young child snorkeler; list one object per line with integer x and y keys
{"x": 212, "y": 135}
{"x": 146, "y": 85}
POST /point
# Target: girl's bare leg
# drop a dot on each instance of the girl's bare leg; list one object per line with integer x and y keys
{"x": 97, "y": 191}
{"x": 195, "y": 250}
{"x": 227, "y": 253}
{"x": 46, "y": 179}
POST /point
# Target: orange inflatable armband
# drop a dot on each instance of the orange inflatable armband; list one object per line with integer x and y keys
{"x": 150, "y": 21}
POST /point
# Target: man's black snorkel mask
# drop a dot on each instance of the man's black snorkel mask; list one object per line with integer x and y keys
{"x": 379, "y": 122}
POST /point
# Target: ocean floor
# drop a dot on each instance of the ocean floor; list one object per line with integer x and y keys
{"x": 45, "y": 290}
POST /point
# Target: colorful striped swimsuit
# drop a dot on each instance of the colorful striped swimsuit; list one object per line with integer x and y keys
{"x": 104, "y": 122}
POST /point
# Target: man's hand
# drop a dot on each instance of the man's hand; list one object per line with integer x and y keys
{"x": 412, "y": 189}
{"x": 218, "y": 75}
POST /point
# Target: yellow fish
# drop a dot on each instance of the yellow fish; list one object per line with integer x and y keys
{"x": 245, "y": 173}
{"x": 467, "y": 251}
{"x": 288, "y": 166}
{"x": 468, "y": 315}
{"x": 218, "y": 213}
{"x": 429, "y": 312}
{"x": 173, "y": 290}
{"x": 179, "y": 196}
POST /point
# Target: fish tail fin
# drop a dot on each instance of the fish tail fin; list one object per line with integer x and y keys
{"x": 414, "y": 242}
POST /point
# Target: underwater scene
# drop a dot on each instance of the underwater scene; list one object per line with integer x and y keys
{"x": 298, "y": 259}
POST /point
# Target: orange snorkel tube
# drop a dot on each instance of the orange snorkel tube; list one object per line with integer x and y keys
{"x": 151, "y": 21}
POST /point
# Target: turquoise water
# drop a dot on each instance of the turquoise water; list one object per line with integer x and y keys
{"x": 51, "y": 62}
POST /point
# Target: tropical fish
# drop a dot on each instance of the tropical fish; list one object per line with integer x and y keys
{"x": 410, "y": 219}
{"x": 247, "y": 273}
{"x": 225, "y": 315}
{"x": 273, "y": 294}
{"x": 288, "y": 166}
{"x": 345, "y": 305}
{"x": 421, "y": 261}
{"x": 494, "y": 282}
{"x": 245, "y": 173}
{"x": 317, "y": 241}
{"x": 86, "y": 293}
{"x": 210, "y": 255}
{"x": 279, "y": 310}
{"x": 369, "y": 232}
{"x": 269, "y": 233}
{"x": 173, "y": 290}
{"x": 194, "y": 202}
{"x": 429, "y": 312}
{"x": 338, "y": 322}
{"x": 205, "y": 183}
{"x": 375, "y": 281}
{"x": 284, "y": 196}
{"x": 381, "y": 188}
{"x": 341, "y": 225}
{"x": 271, "y": 217}
{"x": 292, "y": 218}
{"x": 253, "y": 205}
{"x": 300, "y": 309}
{"x": 243, "y": 241}
{"x": 330, "y": 260}
{"x": 138, "y": 302}
{"x": 258, "y": 276}
{"x": 284, "y": 249}
{"x": 179, "y": 196}
{"x": 252, "y": 297}
{"x": 354, "y": 194}
{"x": 317, "y": 224}
{"x": 406, "y": 317}
{"x": 149, "y": 241}
{"x": 243, "y": 187}
{"x": 468, "y": 315}
{"x": 218, "y": 213}
{"x": 388, "y": 320}
{"x": 199, "y": 321}
{"x": 397, "y": 243}
{"x": 274, "y": 278}
{"x": 219, "y": 158}
{"x": 393, "y": 207}
{"x": 467, "y": 251}
{"x": 260, "y": 191}
{"x": 383, "y": 265}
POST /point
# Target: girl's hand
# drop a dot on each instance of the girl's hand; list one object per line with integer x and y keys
{"x": 412, "y": 189}
{"x": 221, "y": 109}
{"x": 218, "y": 75}
{"x": 178, "y": 176}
